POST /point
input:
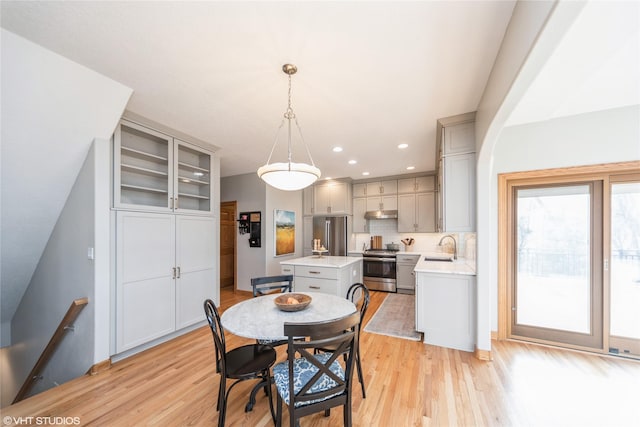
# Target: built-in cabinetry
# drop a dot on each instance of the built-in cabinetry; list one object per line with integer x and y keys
{"x": 360, "y": 224}
{"x": 314, "y": 274}
{"x": 417, "y": 205}
{"x": 154, "y": 171}
{"x": 165, "y": 269}
{"x": 445, "y": 309}
{"x": 405, "y": 278}
{"x": 332, "y": 197}
{"x": 456, "y": 173}
{"x": 165, "y": 234}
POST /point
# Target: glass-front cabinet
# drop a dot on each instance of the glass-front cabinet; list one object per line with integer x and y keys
{"x": 154, "y": 171}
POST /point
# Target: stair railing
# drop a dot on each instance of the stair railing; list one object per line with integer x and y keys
{"x": 66, "y": 324}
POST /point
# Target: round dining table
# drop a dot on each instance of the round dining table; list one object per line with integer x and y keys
{"x": 261, "y": 319}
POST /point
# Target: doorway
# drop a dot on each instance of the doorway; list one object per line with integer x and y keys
{"x": 228, "y": 237}
{"x": 569, "y": 257}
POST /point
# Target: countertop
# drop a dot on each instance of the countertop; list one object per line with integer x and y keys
{"x": 459, "y": 266}
{"x": 323, "y": 261}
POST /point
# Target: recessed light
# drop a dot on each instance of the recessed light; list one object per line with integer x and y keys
{"x": 365, "y": 173}
{"x": 337, "y": 149}
{"x": 402, "y": 146}
{"x": 353, "y": 162}
{"x": 410, "y": 168}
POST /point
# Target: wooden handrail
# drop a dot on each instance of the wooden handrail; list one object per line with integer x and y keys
{"x": 66, "y": 322}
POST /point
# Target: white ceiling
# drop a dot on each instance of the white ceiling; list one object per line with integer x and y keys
{"x": 371, "y": 75}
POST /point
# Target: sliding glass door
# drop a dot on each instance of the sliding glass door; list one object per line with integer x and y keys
{"x": 557, "y": 276}
{"x": 624, "y": 329}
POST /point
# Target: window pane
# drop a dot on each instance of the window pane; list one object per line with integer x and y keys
{"x": 553, "y": 286}
{"x": 625, "y": 260}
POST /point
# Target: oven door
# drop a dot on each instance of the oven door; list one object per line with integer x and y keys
{"x": 379, "y": 274}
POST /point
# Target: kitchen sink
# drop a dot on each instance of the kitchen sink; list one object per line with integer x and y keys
{"x": 440, "y": 259}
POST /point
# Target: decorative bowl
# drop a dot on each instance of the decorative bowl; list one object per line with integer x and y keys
{"x": 292, "y": 302}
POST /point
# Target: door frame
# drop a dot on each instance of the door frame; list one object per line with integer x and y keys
{"x": 506, "y": 182}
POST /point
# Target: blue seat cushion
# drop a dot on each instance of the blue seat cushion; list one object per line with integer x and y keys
{"x": 303, "y": 371}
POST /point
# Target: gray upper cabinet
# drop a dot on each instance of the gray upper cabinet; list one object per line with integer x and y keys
{"x": 456, "y": 174}
{"x": 332, "y": 198}
{"x": 307, "y": 200}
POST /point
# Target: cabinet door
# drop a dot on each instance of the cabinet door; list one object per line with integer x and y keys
{"x": 459, "y": 139}
{"x": 425, "y": 212}
{"x": 359, "y": 208}
{"x": 407, "y": 185}
{"x": 374, "y": 203}
{"x": 425, "y": 183}
{"x": 406, "y": 213}
{"x": 322, "y": 199}
{"x": 192, "y": 183}
{"x": 307, "y": 234}
{"x": 390, "y": 203}
{"x": 373, "y": 189}
{"x": 195, "y": 263}
{"x": 143, "y": 168}
{"x": 340, "y": 197}
{"x": 145, "y": 287}
{"x": 359, "y": 190}
{"x": 404, "y": 277}
{"x": 389, "y": 187}
{"x": 459, "y": 192}
{"x": 307, "y": 200}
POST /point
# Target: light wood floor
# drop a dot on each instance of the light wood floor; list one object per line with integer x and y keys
{"x": 408, "y": 384}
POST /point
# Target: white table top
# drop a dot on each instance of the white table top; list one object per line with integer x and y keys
{"x": 323, "y": 261}
{"x": 259, "y": 317}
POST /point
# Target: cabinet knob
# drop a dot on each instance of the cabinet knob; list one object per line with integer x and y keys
{"x": 314, "y": 287}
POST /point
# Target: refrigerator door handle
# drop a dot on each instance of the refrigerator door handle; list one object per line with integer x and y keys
{"x": 327, "y": 235}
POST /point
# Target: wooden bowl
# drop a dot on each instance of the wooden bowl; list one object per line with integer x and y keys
{"x": 292, "y": 302}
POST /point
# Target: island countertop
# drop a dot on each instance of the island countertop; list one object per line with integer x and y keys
{"x": 323, "y": 261}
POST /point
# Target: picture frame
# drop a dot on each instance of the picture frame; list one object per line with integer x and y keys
{"x": 285, "y": 232}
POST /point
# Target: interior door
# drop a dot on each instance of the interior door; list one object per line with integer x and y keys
{"x": 557, "y": 283}
{"x": 228, "y": 244}
{"x": 624, "y": 266}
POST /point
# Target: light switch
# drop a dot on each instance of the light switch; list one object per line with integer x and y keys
{"x": 91, "y": 253}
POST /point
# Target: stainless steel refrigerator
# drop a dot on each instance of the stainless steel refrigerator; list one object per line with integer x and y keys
{"x": 333, "y": 232}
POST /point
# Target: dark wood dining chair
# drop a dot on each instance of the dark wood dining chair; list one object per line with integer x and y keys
{"x": 310, "y": 382}
{"x": 359, "y": 295}
{"x": 268, "y": 283}
{"x": 261, "y": 284}
{"x": 247, "y": 362}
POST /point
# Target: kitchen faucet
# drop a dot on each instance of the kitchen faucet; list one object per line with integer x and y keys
{"x": 455, "y": 247}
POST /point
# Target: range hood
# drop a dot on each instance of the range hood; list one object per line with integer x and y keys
{"x": 381, "y": 215}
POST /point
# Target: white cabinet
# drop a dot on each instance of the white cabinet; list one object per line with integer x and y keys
{"x": 165, "y": 268}
{"x": 333, "y": 197}
{"x": 307, "y": 235}
{"x": 405, "y": 278}
{"x": 457, "y": 174}
{"x": 445, "y": 309}
{"x": 379, "y": 188}
{"x": 420, "y": 184}
{"x": 382, "y": 203}
{"x": 329, "y": 280}
{"x": 307, "y": 200}
{"x": 360, "y": 190}
{"x": 459, "y": 192}
{"x": 459, "y": 139}
{"x": 416, "y": 213}
{"x": 154, "y": 171}
{"x": 360, "y": 224}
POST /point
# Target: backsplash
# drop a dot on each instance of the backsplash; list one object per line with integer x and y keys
{"x": 424, "y": 242}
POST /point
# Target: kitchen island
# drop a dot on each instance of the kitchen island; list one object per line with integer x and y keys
{"x": 328, "y": 274}
{"x": 446, "y": 303}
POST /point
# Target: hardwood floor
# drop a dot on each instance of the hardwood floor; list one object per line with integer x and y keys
{"x": 408, "y": 384}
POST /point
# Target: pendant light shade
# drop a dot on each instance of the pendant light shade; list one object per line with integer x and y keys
{"x": 289, "y": 176}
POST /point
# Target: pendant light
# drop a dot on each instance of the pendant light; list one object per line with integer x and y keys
{"x": 289, "y": 176}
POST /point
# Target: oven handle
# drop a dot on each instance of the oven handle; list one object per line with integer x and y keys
{"x": 368, "y": 258}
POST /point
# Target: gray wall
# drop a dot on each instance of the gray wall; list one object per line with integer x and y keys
{"x": 64, "y": 273}
{"x": 252, "y": 194}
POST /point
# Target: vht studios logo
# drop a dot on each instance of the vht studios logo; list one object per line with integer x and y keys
{"x": 41, "y": 421}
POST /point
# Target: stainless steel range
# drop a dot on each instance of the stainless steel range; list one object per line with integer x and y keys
{"x": 379, "y": 270}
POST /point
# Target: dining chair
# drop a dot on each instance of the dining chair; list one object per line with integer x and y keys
{"x": 358, "y": 294}
{"x": 261, "y": 284}
{"x": 309, "y": 382}
{"x": 252, "y": 361}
